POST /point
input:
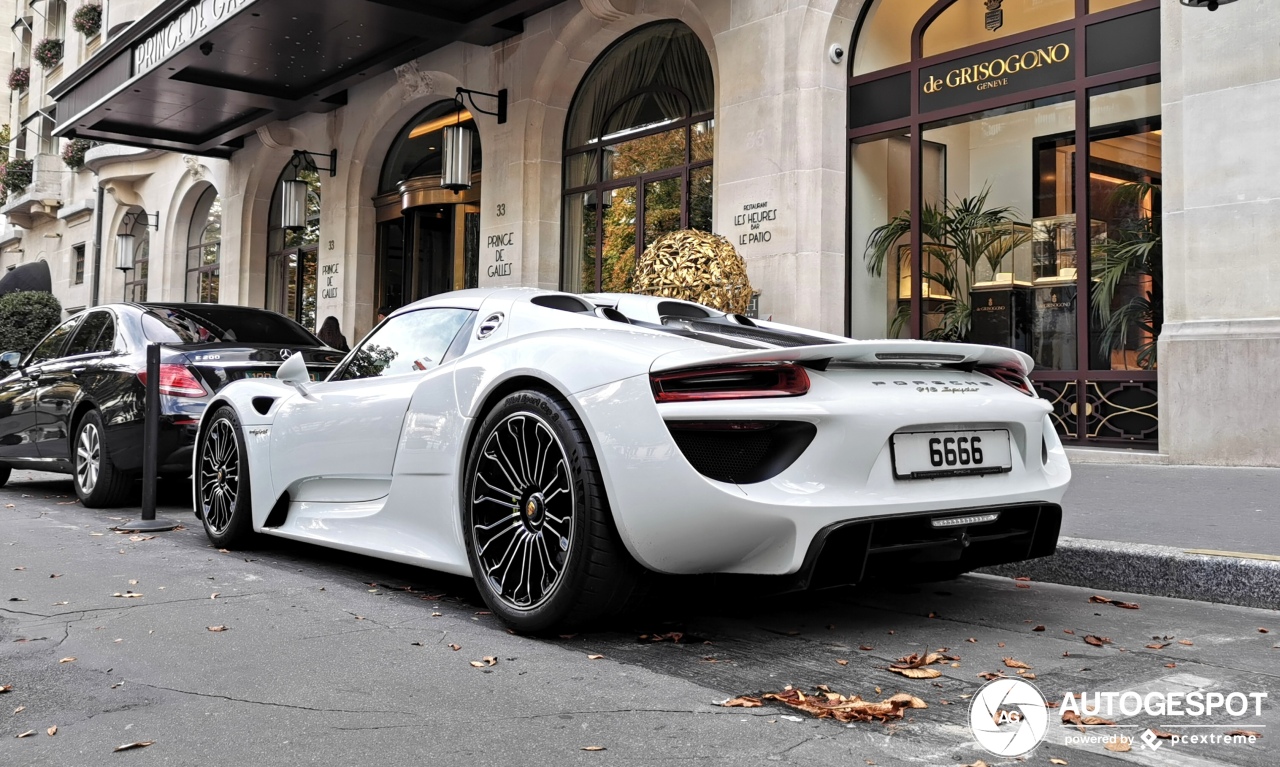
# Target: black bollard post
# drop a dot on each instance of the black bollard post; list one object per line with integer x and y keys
{"x": 150, "y": 451}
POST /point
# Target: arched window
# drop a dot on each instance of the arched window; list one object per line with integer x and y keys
{"x": 135, "y": 289}
{"x": 204, "y": 248}
{"x": 291, "y": 253}
{"x": 639, "y": 145}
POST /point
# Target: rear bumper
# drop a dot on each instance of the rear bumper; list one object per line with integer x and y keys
{"x": 905, "y": 546}
{"x": 177, "y": 441}
{"x": 840, "y": 495}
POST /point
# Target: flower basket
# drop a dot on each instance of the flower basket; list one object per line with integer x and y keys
{"x": 87, "y": 20}
{"x": 48, "y": 52}
{"x": 73, "y": 152}
{"x": 15, "y": 175}
{"x": 20, "y": 79}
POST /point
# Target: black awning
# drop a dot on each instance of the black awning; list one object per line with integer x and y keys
{"x": 196, "y": 76}
{"x": 32, "y": 276}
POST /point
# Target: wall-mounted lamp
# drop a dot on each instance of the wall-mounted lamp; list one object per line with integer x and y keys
{"x": 125, "y": 240}
{"x": 458, "y": 142}
{"x": 310, "y": 158}
{"x": 1210, "y": 4}
{"x": 293, "y": 191}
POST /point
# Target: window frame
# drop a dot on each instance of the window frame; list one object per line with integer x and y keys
{"x": 453, "y": 349}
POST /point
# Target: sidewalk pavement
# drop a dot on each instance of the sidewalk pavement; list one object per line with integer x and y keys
{"x": 1193, "y": 532}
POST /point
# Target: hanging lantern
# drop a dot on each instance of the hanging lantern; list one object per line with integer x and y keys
{"x": 455, "y": 174}
{"x": 124, "y": 251}
{"x": 293, "y": 204}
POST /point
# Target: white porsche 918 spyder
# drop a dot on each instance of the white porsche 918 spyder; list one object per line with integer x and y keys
{"x": 556, "y": 446}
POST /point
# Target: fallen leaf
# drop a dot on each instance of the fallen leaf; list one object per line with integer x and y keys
{"x": 990, "y": 675}
{"x": 1023, "y": 585}
{"x": 1171, "y": 665}
{"x": 600, "y": 657}
{"x": 1162, "y": 734}
{"x": 477, "y": 664}
{"x": 594, "y": 748}
{"x": 217, "y": 629}
{"x": 843, "y": 662}
{"x": 436, "y": 615}
{"x": 1264, "y": 631}
{"x": 455, "y": 647}
{"x": 59, "y": 604}
{"x": 417, "y": 644}
{"x": 55, "y": 575}
{"x": 1011, "y": 663}
{"x": 5, "y": 688}
{"x": 133, "y": 582}
{"x": 831, "y": 705}
{"x": 19, "y": 709}
{"x": 670, "y": 636}
{"x": 1157, "y": 646}
{"x": 1186, "y": 642}
{"x": 742, "y": 701}
{"x": 1000, "y": 644}
{"x": 26, "y": 734}
{"x": 1038, "y": 628}
{"x": 1068, "y": 631}
{"x": 136, "y": 744}
{"x": 215, "y": 595}
{"x": 1097, "y": 641}
{"x": 1056, "y": 760}
{"x": 127, "y": 595}
{"x": 67, "y": 660}
{"x": 489, "y": 660}
{"x": 1109, "y": 601}
{"x": 978, "y": 763}
{"x": 1244, "y": 734}
{"x": 917, "y": 673}
{"x": 866, "y": 647}
{"x": 972, "y": 640}
{"x": 52, "y": 730}
{"x": 1120, "y": 745}
{"x": 1027, "y": 675}
{"x": 20, "y": 568}
{"x": 1022, "y": 578}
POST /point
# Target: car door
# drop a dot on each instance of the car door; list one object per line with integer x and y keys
{"x": 18, "y": 395}
{"x": 80, "y": 367}
{"x": 338, "y": 442}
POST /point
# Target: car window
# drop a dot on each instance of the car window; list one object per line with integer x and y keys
{"x": 48, "y": 348}
{"x": 405, "y": 343}
{"x": 211, "y": 323}
{"x": 96, "y": 334}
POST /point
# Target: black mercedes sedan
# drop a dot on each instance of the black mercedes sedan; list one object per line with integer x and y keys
{"x": 75, "y": 403}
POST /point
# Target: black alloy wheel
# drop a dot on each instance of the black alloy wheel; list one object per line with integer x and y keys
{"x": 540, "y": 538}
{"x": 222, "y": 481}
{"x": 99, "y": 484}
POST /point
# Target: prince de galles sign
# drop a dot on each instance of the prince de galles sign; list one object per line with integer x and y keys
{"x": 1025, "y": 66}
{"x": 195, "y": 21}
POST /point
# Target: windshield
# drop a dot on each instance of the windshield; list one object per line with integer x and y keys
{"x": 212, "y": 323}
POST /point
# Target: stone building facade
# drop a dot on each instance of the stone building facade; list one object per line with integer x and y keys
{"x": 798, "y": 129}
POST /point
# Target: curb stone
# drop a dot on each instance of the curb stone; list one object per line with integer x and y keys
{"x": 1163, "y": 571}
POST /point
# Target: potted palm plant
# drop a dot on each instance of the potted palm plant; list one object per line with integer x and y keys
{"x": 959, "y": 238}
{"x": 1128, "y": 274}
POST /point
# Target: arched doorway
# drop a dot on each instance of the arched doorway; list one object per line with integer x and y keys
{"x": 1005, "y": 182}
{"x": 638, "y": 149}
{"x": 292, "y": 252}
{"x": 428, "y": 236}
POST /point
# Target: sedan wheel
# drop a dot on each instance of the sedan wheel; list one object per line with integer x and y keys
{"x": 99, "y": 484}
{"x": 540, "y": 538}
{"x": 222, "y": 481}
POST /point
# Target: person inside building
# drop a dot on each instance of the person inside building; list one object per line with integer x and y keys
{"x": 383, "y": 311}
{"x": 331, "y": 334}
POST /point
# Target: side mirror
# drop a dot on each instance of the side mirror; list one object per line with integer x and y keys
{"x": 293, "y": 371}
{"x": 10, "y": 360}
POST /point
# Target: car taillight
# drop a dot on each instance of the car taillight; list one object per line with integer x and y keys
{"x": 176, "y": 381}
{"x": 1011, "y": 377}
{"x": 730, "y": 382}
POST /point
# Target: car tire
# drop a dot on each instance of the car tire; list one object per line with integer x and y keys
{"x": 222, "y": 491}
{"x": 99, "y": 484}
{"x": 540, "y": 538}
{"x": 5, "y": 471}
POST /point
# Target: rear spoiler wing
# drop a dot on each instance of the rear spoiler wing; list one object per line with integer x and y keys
{"x": 947, "y": 355}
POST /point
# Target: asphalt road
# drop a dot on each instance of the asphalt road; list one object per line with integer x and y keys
{"x": 338, "y": 659}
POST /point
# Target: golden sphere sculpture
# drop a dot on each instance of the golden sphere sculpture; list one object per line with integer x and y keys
{"x": 695, "y": 266}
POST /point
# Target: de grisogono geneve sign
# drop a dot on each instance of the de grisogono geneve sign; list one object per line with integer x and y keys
{"x": 1034, "y": 64}
{"x": 196, "y": 20}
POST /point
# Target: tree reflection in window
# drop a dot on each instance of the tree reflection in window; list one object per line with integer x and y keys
{"x": 407, "y": 343}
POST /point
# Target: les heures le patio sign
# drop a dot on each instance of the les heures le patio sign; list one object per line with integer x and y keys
{"x": 197, "y": 19}
{"x": 1025, "y": 66}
